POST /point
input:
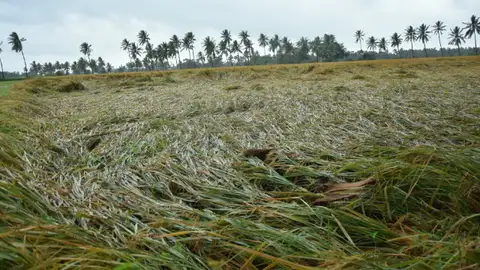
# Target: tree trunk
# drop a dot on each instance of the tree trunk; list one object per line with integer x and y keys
{"x": 440, "y": 42}
{"x": 475, "y": 35}
{"x": 361, "y": 46}
{"x": 458, "y": 50}
{"x": 25, "y": 63}
{"x": 412, "y": 49}
{"x": 425, "y": 49}
{"x": 1, "y": 65}
{"x": 398, "y": 51}
{"x": 193, "y": 56}
{"x": 264, "y": 51}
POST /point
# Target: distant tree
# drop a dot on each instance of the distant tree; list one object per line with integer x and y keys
{"x": 359, "y": 35}
{"x": 188, "y": 44}
{"x": 382, "y": 45}
{"x": 93, "y": 66}
{"x": 210, "y": 48}
{"x": 473, "y": 28}
{"x": 226, "y": 38}
{"x": 176, "y": 47}
{"x": 138, "y": 64}
{"x": 149, "y": 56}
{"x": 201, "y": 57}
{"x": 423, "y": 35}
{"x": 125, "y": 45}
{"x": 101, "y": 65}
{"x": 143, "y": 37}
{"x": 236, "y": 48}
{"x": 34, "y": 68}
{"x": 57, "y": 66}
{"x": 162, "y": 53}
{"x": 410, "y": 35}
{"x": 263, "y": 42}
{"x": 135, "y": 52}
{"x": 274, "y": 45}
{"x": 172, "y": 52}
{"x": 17, "y": 46}
{"x": 303, "y": 49}
{"x": 245, "y": 41}
{"x": 75, "y": 68}
{"x": 456, "y": 37}
{"x": 86, "y": 49}
{"x": 316, "y": 47}
{"x": 109, "y": 68}
{"x": 1, "y": 63}
{"x": 372, "y": 43}
{"x": 82, "y": 65}
{"x": 438, "y": 28}
{"x": 66, "y": 67}
{"x": 396, "y": 41}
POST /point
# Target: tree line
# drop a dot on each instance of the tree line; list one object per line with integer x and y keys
{"x": 231, "y": 50}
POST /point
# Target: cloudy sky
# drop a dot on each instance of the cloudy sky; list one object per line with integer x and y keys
{"x": 54, "y": 29}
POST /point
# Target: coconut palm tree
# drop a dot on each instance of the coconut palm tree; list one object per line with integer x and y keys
{"x": 372, "y": 43}
{"x": 74, "y": 67}
{"x": 201, "y": 57}
{"x": 410, "y": 35}
{"x": 210, "y": 48}
{"x": 17, "y": 46}
{"x": 82, "y": 65}
{"x": 143, "y": 37}
{"x": 109, "y": 67}
{"x": 423, "y": 35}
{"x": 125, "y": 45}
{"x": 135, "y": 52}
{"x": 1, "y": 63}
{"x": 187, "y": 44}
{"x": 175, "y": 46}
{"x": 66, "y": 68}
{"x": 245, "y": 41}
{"x": 86, "y": 49}
{"x": 396, "y": 41}
{"x": 236, "y": 48}
{"x": 263, "y": 42}
{"x": 456, "y": 37}
{"x": 316, "y": 46}
{"x": 274, "y": 45}
{"x": 359, "y": 35}
{"x": 438, "y": 28}
{"x": 473, "y": 28}
{"x": 382, "y": 45}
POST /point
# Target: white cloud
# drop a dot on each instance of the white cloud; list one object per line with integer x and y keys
{"x": 54, "y": 29}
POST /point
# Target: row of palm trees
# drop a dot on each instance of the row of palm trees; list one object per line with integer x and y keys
{"x": 422, "y": 34}
{"x": 76, "y": 67}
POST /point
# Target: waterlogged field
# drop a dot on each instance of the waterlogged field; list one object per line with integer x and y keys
{"x": 364, "y": 165}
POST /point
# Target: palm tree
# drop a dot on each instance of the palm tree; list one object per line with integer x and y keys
{"x": 359, "y": 35}
{"x": 473, "y": 28}
{"x": 263, "y": 42}
{"x": 187, "y": 44}
{"x": 175, "y": 46}
{"x": 17, "y": 46}
{"x": 135, "y": 52}
{"x": 235, "y": 48}
{"x": 226, "y": 38}
{"x": 372, "y": 43}
{"x": 201, "y": 57}
{"x": 423, "y": 35}
{"x": 410, "y": 35}
{"x": 438, "y": 28}
{"x": 109, "y": 68}
{"x": 245, "y": 41}
{"x": 209, "y": 47}
{"x": 143, "y": 37}
{"x": 396, "y": 41}
{"x": 456, "y": 37}
{"x": 74, "y": 67}
{"x": 82, "y": 65}
{"x": 86, "y": 49}
{"x": 66, "y": 67}
{"x": 274, "y": 45}
{"x": 316, "y": 46}
{"x": 382, "y": 45}
{"x": 126, "y": 47}
{"x": 1, "y": 63}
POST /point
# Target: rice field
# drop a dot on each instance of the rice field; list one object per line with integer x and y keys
{"x": 361, "y": 165}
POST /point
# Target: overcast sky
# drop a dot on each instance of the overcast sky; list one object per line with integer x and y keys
{"x": 54, "y": 29}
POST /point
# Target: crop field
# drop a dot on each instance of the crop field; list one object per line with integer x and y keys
{"x": 361, "y": 165}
